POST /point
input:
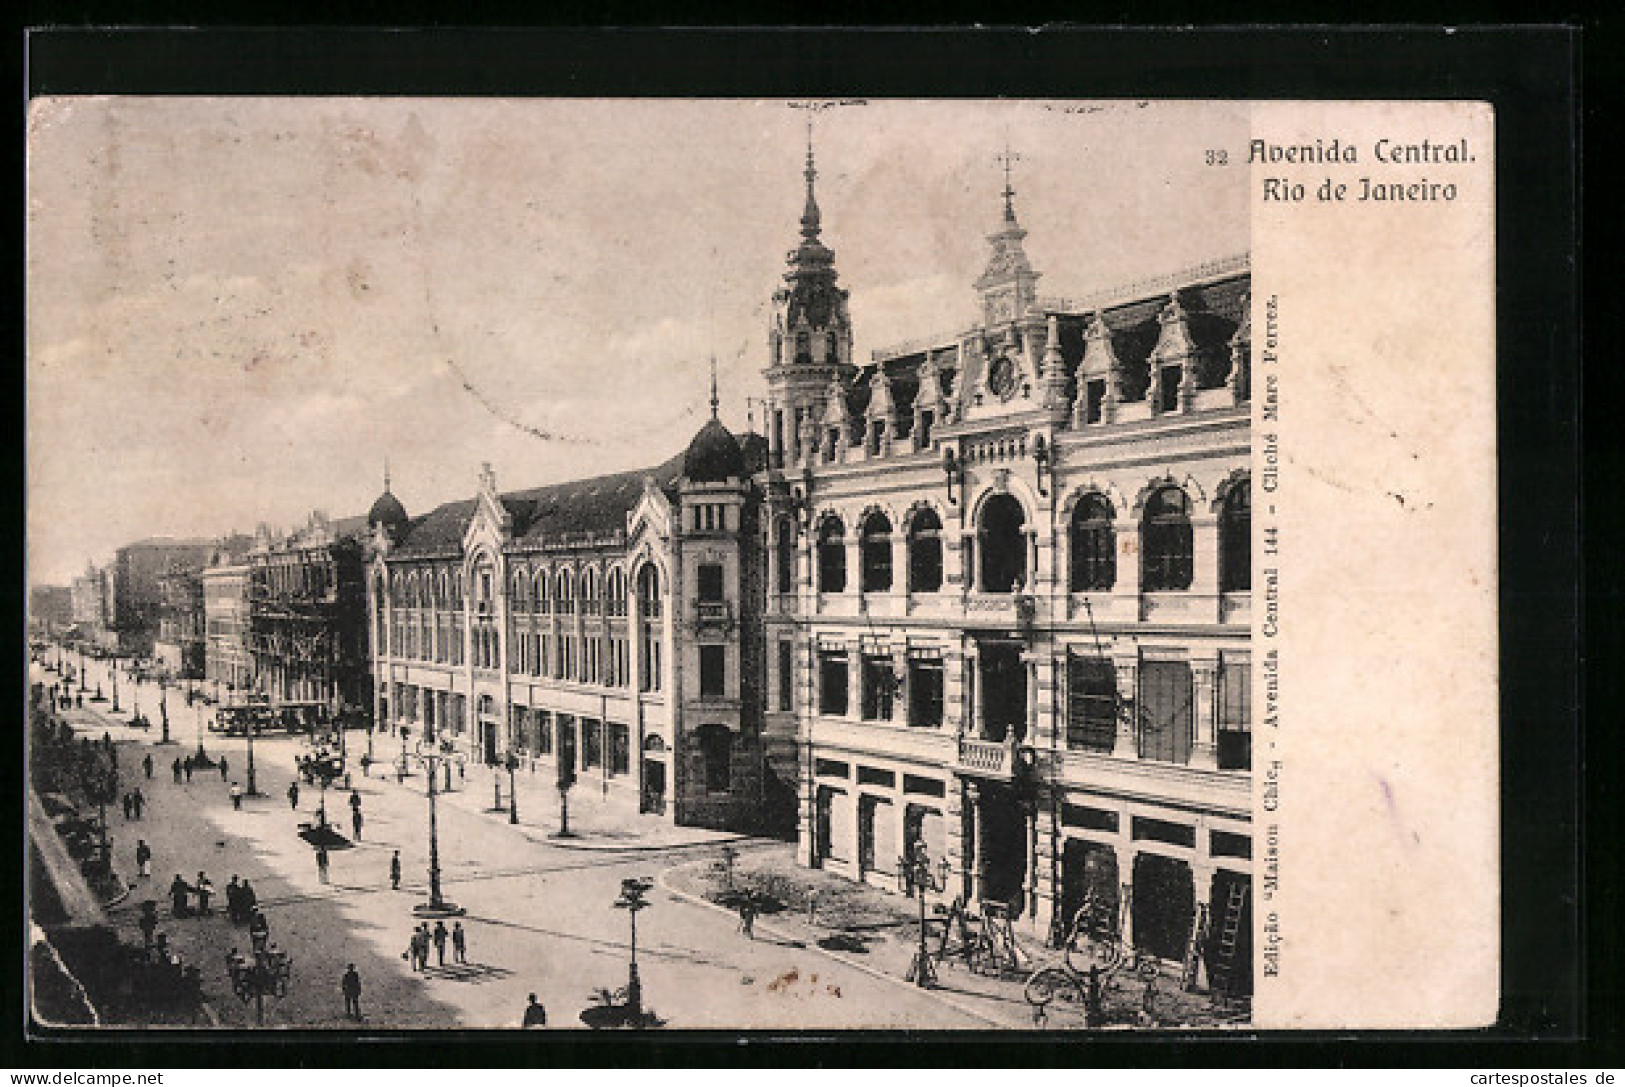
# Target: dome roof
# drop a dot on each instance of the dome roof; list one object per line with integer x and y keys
{"x": 713, "y": 456}
{"x": 387, "y": 511}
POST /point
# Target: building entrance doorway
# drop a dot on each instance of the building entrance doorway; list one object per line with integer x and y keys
{"x": 1229, "y": 954}
{"x": 488, "y": 737}
{"x": 1089, "y": 877}
{"x": 654, "y": 786}
{"x": 1004, "y": 692}
{"x": 567, "y": 743}
{"x": 1164, "y": 905}
{"x": 1001, "y": 848}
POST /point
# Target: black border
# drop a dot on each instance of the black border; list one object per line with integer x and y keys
{"x": 1529, "y": 74}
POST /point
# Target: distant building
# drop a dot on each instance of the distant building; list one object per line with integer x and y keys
{"x": 307, "y": 615}
{"x": 227, "y": 662}
{"x": 138, "y": 596}
{"x": 50, "y": 609}
{"x": 92, "y": 594}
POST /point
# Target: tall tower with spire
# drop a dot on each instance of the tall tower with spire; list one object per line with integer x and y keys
{"x": 810, "y": 341}
{"x": 1008, "y": 286}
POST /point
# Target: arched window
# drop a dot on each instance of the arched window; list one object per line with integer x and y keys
{"x": 876, "y": 552}
{"x": 832, "y": 556}
{"x": 616, "y": 593}
{"x": 925, "y": 552}
{"x": 589, "y": 591}
{"x": 784, "y": 555}
{"x": 1094, "y": 545}
{"x": 1236, "y": 539}
{"x": 521, "y": 592}
{"x": 565, "y": 594}
{"x": 1165, "y": 541}
{"x": 542, "y": 602}
{"x": 650, "y": 672}
{"x": 457, "y": 591}
{"x": 649, "y": 591}
{"x": 1003, "y": 544}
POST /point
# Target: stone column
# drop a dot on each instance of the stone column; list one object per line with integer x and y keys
{"x": 899, "y": 561}
{"x": 1125, "y": 894}
{"x": 1204, "y": 742}
{"x": 973, "y": 691}
{"x": 854, "y": 679}
{"x": 854, "y": 560}
{"x": 955, "y": 718}
{"x": 1205, "y": 563}
{"x": 1029, "y": 664}
{"x": 1127, "y": 585}
{"x": 958, "y": 817}
{"x": 1047, "y": 880}
{"x": 1047, "y": 714}
{"x": 973, "y": 842}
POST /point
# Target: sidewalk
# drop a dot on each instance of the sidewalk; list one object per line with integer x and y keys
{"x": 599, "y": 821}
{"x": 878, "y": 932}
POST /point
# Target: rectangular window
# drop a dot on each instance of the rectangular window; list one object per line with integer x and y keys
{"x": 1091, "y": 704}
{"x": 1164, "y": 711}
{"x": 1169, "y": 401}
{"x": 922, "y": 433}
{"x": 832, "y": 684}
{"x": 1160, "y": 830}
{"x": 544, "y": 732}
{"x": 869, "y": 775}
{"x": 620, "y": 748}
{"x": 787, "y": 675}
{"x": 713, "y": 670}
{"x": 924, "y": 693}
{"x": 831, "y": 768}
{"x": 1235, "y": 716}
{"x": 710, "y": 582}
{"x": 592, "y": 751}
{"x": 1095, "y": 399}
{"x": 1077, "y": 815}
{"x": 922, "y": 786}
{"x": 879, "y": 682}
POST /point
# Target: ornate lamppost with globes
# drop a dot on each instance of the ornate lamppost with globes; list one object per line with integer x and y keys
{"x": 916, "y": 876}
{"x": 432, "y": 755}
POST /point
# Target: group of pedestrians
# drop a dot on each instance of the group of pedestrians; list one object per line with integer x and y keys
{"x": 134, "y": 803}
{"x": 418, "y": 949}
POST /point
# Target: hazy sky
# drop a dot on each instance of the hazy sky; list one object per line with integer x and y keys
{"x": 237, "y": 308}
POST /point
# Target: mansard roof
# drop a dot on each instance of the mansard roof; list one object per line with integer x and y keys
{"x": 578, "y": 510}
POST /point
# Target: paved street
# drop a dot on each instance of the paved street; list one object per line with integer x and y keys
{"x": 540, "y": 916}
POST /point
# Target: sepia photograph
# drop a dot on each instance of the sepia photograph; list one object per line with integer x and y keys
{"x": 656, "y": 564}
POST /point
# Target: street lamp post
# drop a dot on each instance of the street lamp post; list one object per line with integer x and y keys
{"x": 115, "y": 690}
{"x": 513, "y": 793}
{"x": 914, "y": 876}
{"x": 431, "y": 755}
{"x": 634, "y": 898}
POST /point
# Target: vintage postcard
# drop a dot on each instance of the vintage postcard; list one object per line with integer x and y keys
{"x": 761, "y": 565}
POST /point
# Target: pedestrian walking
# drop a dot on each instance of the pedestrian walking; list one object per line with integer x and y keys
{"x": 175, "y": 768}
{"x": 355, "y": 800}
{"x": 148, "y": 923}
{"x": 143, "y": 858}
{"x": 204, "y": 889}
{"x": 747, "y": 915}
{"x": 251, "y": 900}
{"x": 259, "y": 932}
{"x": 293, "y": 795}
{"x": 420, "y": 946}
{"x": 351, "y": 985}
{"x": 178, "y": 894}
{"x": 459, "y": 943}
{"x": 236, "y": 797}
{"x": 234, "y": 900}
{"x": 355, "y": 823}
{"x": 127, "y": 806}
{"x": 146, "y": 765}
{"x": 535, "y": 1014}
{"x": 440, "y": 935}
{"x": 321, "y": 863}
{"x": 395, "y": 871}
{"x": 189, "y": 765}
{"x": 222, "y": 768}
{"x": 137, "y": 803}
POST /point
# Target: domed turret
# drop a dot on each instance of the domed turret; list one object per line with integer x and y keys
{"x": 714, "y": 455}
{"x": 387, "y": 510}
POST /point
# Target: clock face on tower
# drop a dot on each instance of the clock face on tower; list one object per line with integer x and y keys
{"x": 1001, "y": 377}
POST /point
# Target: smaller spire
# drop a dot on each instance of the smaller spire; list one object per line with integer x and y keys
{"x": 809, "y": 215}
{"x": 386, "y": 473}
{"x": 713, "y": 386}
{"x": 1008, "y": 158}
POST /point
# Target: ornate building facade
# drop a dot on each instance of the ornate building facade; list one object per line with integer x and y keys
{"x": 608, "y": 624}
{"x": 1008, "y": 613}
{"x": 307, "y": 634}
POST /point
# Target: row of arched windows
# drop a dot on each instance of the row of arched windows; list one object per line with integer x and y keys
{"x": 1167, "y": 546}
{"x": 529, "y": 591}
